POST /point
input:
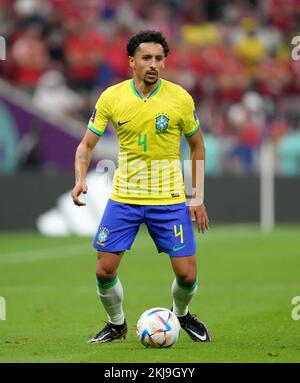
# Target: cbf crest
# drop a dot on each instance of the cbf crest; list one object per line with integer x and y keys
{"x": 162, "y": 123}
{"x": 102, "y": 236}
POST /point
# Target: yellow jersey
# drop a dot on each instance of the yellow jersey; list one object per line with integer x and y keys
{"x": 149, "y": 132}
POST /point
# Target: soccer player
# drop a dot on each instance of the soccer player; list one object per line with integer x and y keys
{"x": 149, "y": 115}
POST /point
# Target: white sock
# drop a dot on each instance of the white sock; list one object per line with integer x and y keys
{"x": 182, "y": 296}
{"x": 111, "y": 297}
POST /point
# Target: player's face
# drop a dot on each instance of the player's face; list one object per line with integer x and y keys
{"x": 148, "y": 62}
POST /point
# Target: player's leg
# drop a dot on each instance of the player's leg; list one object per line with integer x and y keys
{"x": 117, "y": 230}
{"x": 110, "y": 293}
{"x": 171, "y": 229}
{"x": 109, "y": 287}
{"x": 184, "y": 288}
{"x": 185, "y": 284}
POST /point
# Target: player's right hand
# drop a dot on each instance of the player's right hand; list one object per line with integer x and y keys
{"x": 80, "y": 187}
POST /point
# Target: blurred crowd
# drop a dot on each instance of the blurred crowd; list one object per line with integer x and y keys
{"x": 234, "y": 57}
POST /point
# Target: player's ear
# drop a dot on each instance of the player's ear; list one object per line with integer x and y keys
{"x": 131, "y": 62}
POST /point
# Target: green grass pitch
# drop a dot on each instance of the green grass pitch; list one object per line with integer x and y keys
{"x": 246, "y": 284}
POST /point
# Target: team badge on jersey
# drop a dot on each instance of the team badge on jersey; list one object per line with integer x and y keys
{"x": 162, "y": 122}
{"x": 102, "y": 236}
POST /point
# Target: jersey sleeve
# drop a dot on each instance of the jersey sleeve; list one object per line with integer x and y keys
{"x": 190, "y": 120}
{"x": 101, "y": 115}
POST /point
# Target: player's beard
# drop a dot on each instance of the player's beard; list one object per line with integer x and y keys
{"x": 150, "y": 82}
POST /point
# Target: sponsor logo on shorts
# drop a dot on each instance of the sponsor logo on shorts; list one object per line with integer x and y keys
{"x": 177, "y": 248}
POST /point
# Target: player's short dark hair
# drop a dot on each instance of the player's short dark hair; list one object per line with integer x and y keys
{"x": 146, "y": 37}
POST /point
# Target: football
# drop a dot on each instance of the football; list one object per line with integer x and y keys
{"x": 158, "y": 328}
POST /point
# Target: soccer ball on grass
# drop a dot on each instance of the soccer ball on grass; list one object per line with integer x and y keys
{"x": 158, "y": 328}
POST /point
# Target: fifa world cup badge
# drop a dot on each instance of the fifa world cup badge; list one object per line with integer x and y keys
{"x": 93, "y": 116}
{"x": 102, "y": 236}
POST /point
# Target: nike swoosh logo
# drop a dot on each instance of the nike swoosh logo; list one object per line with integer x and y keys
{"x": 178, "y": 248}
{"x": 122, "y": 123}
{"x": 97, "y": 340}
{"x": 201, "y": 337}
{"x": 101, "y": 338}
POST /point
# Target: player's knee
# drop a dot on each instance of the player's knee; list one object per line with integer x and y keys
{"x": 187, "y": 278}
{"x": 106, "y": 268}
{"x": 105, "y": 272}
{"x": 189, "y": 281}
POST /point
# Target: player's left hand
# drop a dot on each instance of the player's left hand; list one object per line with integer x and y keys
{"x": 199, "y": 214}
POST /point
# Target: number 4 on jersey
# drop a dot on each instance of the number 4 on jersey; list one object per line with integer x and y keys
{"x": 144, "y": 142}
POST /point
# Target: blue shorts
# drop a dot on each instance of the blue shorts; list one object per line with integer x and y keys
{"x": 170, "y": 227}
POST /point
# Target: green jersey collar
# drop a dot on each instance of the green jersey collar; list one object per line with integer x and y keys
{"x": 153, "y": 93}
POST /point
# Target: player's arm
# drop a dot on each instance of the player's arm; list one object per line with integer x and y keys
{"x": 197, "y": 207}
{"x": 82, "y": 161}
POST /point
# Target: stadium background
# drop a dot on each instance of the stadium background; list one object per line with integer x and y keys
{"x": 234, "y": 57}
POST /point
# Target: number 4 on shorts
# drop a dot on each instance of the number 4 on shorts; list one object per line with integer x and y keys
{"x": 179, "y": 233}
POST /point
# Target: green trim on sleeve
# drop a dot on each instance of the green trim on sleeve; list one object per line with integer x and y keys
{"x": 194, "y": 131}
{"x": 90, "y": 127}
